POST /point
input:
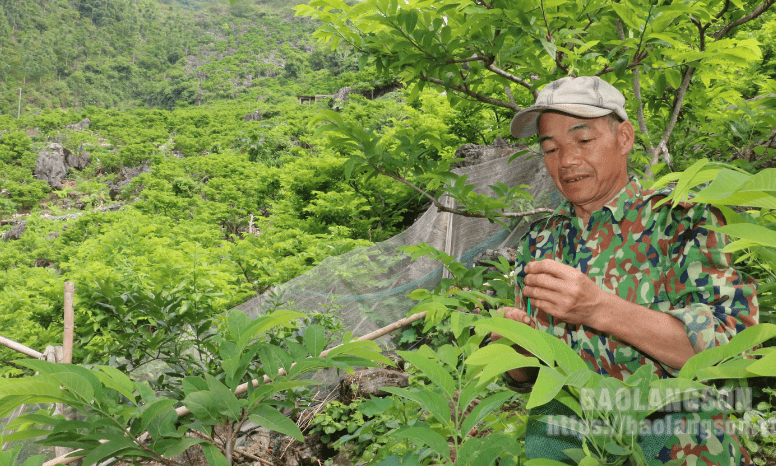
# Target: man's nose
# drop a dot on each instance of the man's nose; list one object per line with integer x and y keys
{"x": 570, "y": 156}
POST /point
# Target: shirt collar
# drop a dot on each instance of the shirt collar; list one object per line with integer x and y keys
{"x": 632, "y": 193}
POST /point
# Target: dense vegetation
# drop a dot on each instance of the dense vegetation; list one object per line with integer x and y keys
{"x": 230, "y": 206}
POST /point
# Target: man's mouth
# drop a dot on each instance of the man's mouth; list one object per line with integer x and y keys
{"x": 574, "y": 179}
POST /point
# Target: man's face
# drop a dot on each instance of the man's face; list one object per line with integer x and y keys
{"x": 585, "y": 158}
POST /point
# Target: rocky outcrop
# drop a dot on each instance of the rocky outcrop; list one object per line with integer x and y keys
{"x": 474, "y": 154}
{"x": 124, "y": 178}
{"x": 255, "y": 116}
{"x": 54, "y": 161}
{"x": 370, "y": 92}
{"x": 81, "y": 125}
{"x": 15, "y": 232}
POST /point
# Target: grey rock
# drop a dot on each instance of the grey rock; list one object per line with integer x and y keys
{"x": 81, "y": 125}
{"x": 54, "y": 161}
{"x": 124, "y": 178}
{"x": 474, "y": 154}
{"x": 78, "y": 162}
{"x": 50, "y": 166}
{"x": 255, "y": 116}
{"x": 15, "y": 232}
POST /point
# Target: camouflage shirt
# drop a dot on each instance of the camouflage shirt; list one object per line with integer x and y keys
{"x": 662, "y": 258}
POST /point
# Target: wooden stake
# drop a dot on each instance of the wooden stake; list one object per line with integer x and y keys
{"x": 27, "y": 351}
{"x": 67, "y": 339}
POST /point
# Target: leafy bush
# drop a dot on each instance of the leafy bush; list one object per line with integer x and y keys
{"x": 115, "y": 408}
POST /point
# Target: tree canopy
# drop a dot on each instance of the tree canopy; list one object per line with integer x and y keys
{"x": 665, "y": 56}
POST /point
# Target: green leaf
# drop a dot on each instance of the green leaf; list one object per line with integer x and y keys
{"x": 36, "y": 460}
{"x": 426, "y": 399}
{"x": 627, "y": 15}
{"x": 364, "y": 349}
{"x": 39, "y": 385}
{"x": 543, "y": 462}
{"x": 213, "y": 455}
{"x": 262, "y": 324}
{"x": 754, "y": 233}
{"x": 747, "y": 339}
{"x": 162, "y": 417}
{"x": 117, "y": 380}
{"x": 484, "y": 408}
{"x": 549, "y": 47}
{"x": 497, "y": 359}
{"x": 78, "y": 380}
{"x": 25, "y": 434}
{"x": 425, "y": 436}
{"x": 203, "y": 407}
{"x": 765, "y": 367}
{"x": 533, "y": 341}
{"x": 270, "y": 418}
{"x": 315, "y": 339}
{"x": 114, "y": 447}
{"x": 224, "y": 399}
{"x": 435, "y": 372}
{"x": 410, "y": 19}
{"x": 548, "y": 383}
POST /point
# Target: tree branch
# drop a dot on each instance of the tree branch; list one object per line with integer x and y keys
{"x": 508, "y": 92}
{"x": 474, "y": 57}
{"x": 442, "y": 208}
{"x": 511, "y": 77}
{"x": 637, "y": 96}
{"x": 475, "y": 95}
{"x": 762, "y": 8}
{"x": 678, "y": 101}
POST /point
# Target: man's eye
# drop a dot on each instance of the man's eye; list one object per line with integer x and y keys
{"x": 549, "y": 151}
{"x": 585, "y": 141}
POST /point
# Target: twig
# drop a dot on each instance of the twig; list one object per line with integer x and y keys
{"x": 762, "y": 8}
{"x": 678, "y": 101}
{"x": 475, "y": 95}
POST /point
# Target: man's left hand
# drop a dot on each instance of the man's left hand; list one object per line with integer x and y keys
{"x": 563, "y": 292}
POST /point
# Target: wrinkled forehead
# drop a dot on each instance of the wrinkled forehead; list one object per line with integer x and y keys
{"x": 583, "y": 124}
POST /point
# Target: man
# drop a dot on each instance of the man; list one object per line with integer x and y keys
{"x": 623, "y": 281}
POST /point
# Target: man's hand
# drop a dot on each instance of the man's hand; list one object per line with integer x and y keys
{"x": 524, "y": 374}
{"x": 563, "y": 292}
{"x": 518, "y": 315}
{"x": 568, "y": 294}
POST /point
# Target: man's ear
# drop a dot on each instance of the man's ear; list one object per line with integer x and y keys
{"x": 626, "y": 136}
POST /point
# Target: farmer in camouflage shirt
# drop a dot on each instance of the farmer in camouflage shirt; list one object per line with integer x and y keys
{"x": 621, "y": 280}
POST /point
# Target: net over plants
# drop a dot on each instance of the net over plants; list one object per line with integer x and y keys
{"x": 367, "y": 287}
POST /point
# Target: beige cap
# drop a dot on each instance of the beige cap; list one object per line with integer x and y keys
{"x": 584, "y": 97}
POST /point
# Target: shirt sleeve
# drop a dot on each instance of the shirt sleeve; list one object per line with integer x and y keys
{"x": 706, "y": 292}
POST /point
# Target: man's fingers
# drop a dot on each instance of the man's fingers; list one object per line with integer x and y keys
{"x": 548, "y": 266}
{"x": 515, "y": 314}
{"x": 543, "y": 280}
{"x": 519, "y": 315}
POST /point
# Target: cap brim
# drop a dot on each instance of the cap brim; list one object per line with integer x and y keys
{"x": 526, "y": 122}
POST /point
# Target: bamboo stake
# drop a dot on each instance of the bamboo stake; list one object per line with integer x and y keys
{"x": 67, "y": 339}
{"x": 20, "y": 348}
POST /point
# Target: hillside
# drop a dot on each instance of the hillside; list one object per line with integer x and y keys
{"x": 124, "y": 53}
{"x": 165, "y": 156}
{"x": 200, "y": 138}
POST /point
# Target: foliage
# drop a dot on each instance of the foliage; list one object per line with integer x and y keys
{"x": 563, "y": 375}
{"x": 407, "y": 156}
{"x": 733, "y": 185}
{"x": 119, "y": 410}
{"x": 663, "y": 56}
